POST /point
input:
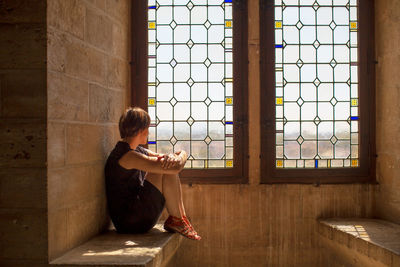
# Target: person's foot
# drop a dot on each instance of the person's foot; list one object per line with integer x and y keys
{"x": 186, "y": 219}
{"x": 181, "y": 226}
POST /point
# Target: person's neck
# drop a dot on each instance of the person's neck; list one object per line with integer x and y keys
{"x": 133, "y": 142}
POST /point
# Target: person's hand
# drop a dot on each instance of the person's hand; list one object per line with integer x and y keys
{"x": 182, "y": 154}
{"x": 170, "y": 161}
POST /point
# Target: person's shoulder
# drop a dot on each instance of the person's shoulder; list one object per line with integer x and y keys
{"x": 141, "y": 150}
{"x": 122, "y": 145}
{"x": 120, "y": 149}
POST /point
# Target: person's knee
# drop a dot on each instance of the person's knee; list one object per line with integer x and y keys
{"x": 151, "y": 175}
{"x": 176, "y": 175}
{"x": 171, "y": 177}
{"x": 155, "y": 179}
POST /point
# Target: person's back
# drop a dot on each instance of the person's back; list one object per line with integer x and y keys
{"x": 126, "y": 191}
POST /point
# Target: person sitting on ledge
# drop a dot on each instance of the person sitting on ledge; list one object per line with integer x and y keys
{"x": 139, "y": 182}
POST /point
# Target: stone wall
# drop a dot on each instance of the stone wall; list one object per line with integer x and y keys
{"x": 387, "y": 36}
{"x": 88, "y": 80}
{"x": 23, "y": 223}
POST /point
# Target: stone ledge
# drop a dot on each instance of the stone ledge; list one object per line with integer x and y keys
{"x": 370, "y": 242}
{"x": 152, "y": 249}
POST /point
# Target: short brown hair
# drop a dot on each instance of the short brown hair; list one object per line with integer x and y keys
{"x": 132, "y": 121}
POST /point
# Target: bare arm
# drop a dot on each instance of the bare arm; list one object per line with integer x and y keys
{"x": 152, "y": 153}
{"x": 179, "y": 155}
{"x": 135, "y": 160}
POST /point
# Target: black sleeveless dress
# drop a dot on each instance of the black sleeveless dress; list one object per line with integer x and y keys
{"x": 134, "y": 204}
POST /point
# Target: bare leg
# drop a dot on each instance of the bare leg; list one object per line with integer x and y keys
{"x": 172, "y": 191}
{"x": 155, "y": 179}
{"x": 170, "y": 186}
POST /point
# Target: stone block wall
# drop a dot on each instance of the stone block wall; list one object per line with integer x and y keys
{"x": 88, "y": 80}
{"x": 387, "y": 36}
{"x": 23, "y": 200}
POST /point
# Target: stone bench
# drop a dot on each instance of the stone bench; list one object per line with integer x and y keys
{"x": 360, "y": 241}
{"x": 155, "y": 248}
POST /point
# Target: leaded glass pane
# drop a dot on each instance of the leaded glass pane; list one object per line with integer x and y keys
{"x": 316, "y": 72}
{"x": 190, "y": 98}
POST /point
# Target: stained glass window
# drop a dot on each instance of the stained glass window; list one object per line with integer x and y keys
{"x": 316, "y": 83}
{"x": 190, "y": 81}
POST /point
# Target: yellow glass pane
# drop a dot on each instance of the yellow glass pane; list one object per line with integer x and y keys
{"x": 354, "y": 163}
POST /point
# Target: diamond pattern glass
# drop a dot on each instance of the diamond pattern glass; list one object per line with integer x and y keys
{"x": 190, "y": 98}
{"x": 316, "y": 71}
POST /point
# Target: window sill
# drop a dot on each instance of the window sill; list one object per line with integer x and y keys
{"x": 318, "y": 177}
{"x": 155, "y": 248}
{"x": 318, "y": 182}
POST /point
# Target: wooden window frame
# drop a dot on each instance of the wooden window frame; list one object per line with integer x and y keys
{"x": 366, "y": 171}
{"x": 139, "y": 73}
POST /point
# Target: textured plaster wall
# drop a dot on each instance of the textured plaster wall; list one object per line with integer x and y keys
{"x": 264, "y": 225}
{"x": 387, "y": 34}
{"x": 88, "y": 80}
{"x": 23, "y": 217}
